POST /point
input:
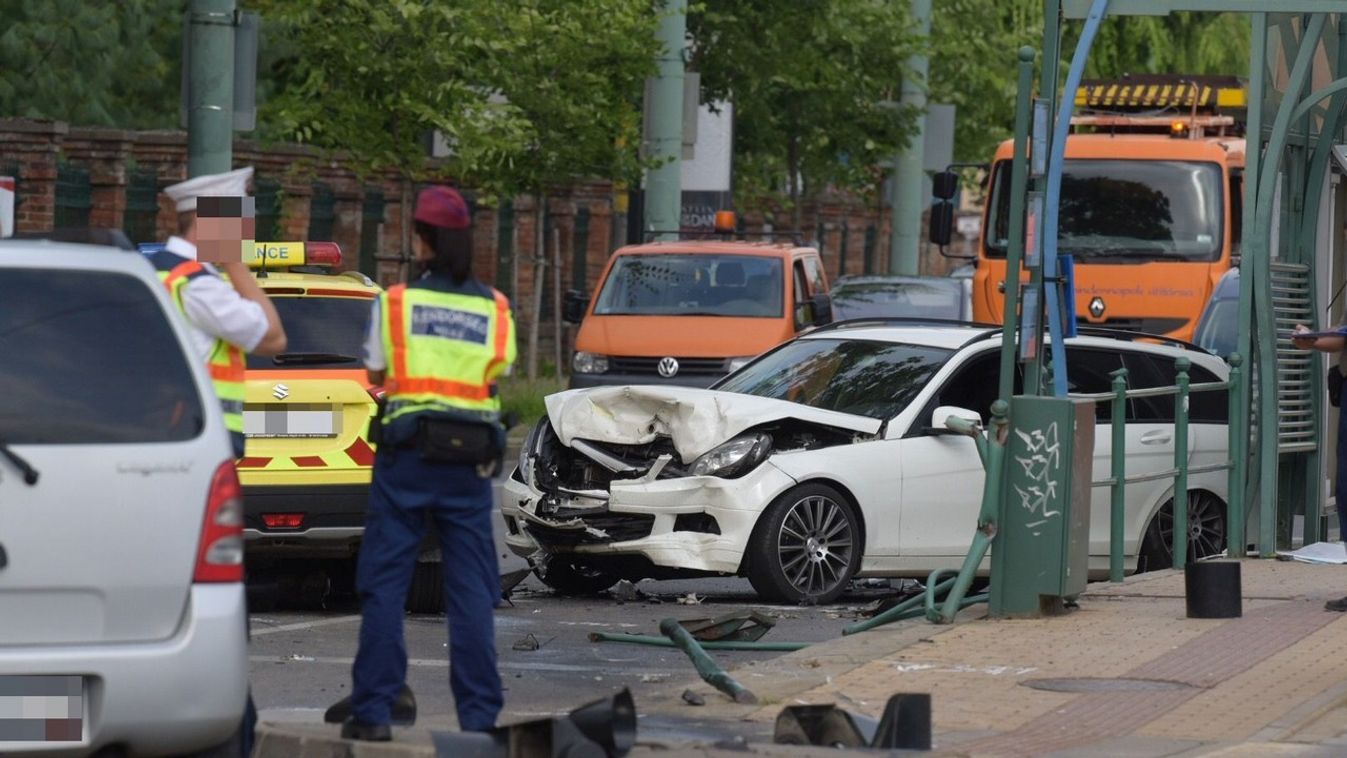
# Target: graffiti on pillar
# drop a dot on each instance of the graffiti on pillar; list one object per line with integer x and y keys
{"x": 1040, "y": 456}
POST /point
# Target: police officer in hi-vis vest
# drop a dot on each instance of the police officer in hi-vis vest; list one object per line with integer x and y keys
{"x": 436, "y": 345}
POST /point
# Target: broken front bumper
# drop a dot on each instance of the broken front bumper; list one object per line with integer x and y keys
{"x": 698, "y": 523}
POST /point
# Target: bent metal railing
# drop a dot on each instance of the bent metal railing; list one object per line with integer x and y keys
{"x": 990, "y": 447}
{"x": 1180, "y": 472}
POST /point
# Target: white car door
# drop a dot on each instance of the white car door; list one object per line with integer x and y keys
{"x": 942, "y": 473}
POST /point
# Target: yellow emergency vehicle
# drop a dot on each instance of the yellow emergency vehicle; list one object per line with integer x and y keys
{"x": 308, "y": 459}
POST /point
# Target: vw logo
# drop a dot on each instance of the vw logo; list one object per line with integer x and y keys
{"x": 280, "y": 392}
{"x": 1097, "y": 307}
{"x": 668, "y": 367}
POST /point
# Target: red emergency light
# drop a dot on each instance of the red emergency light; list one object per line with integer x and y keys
{"x": 322, "y": 254}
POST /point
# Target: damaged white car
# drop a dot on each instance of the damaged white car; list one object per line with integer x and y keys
{"x": 827, "y": 459}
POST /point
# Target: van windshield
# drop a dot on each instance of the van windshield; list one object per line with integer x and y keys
{"x": 1127, "y": 210}
{"x": 693, "y": 284}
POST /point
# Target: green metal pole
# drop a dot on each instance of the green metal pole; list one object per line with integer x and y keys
{"x": 663, "y": 184}
{"x": 706, "y": 666}
{"x": 909, "y": 169}
{"x": 1240, "y": 426}
{"x": 1181, "y": 465}
{"x": 210, "y": 89}
{"x": 1260, "y": 252}
{"x": 1235, "y": 517}
{"x": 1118, "y": 456}
{"x": 1019, "y": 178}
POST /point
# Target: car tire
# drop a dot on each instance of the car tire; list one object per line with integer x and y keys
{"x": 1206, "y": 532}
{"x": 806, "y": 546}
{"x": 426, "y": 593}
{"x": 570, "y": 577}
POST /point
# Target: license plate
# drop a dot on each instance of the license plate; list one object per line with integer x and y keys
{"x": 291, "y": 421}
{"x": 37, "y": 709}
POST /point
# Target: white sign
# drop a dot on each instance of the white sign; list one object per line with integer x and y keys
{"x": 6, "y": 206}
{"x": 708, "y": 170}
{"x": 969, "y": 226}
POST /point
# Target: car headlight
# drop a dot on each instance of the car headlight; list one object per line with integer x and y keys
{"x": 739, "y": 455}
{"x": 589, "y": 363}
{"x": 737, "y": 363}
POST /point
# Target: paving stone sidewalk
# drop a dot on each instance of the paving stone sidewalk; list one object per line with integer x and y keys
{"x": 1142, "y": 679}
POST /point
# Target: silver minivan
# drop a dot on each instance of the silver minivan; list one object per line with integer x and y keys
{"x": 122, "y": 614}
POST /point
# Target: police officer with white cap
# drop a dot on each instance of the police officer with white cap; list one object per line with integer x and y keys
{"x": 228, "y": 319}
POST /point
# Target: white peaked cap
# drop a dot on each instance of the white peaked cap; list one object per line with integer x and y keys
{"x": 229, "y": 184}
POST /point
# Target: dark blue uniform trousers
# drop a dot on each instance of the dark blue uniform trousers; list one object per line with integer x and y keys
{"x": 404, "y": 489}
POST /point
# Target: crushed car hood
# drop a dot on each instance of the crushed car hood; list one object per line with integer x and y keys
{"x": 696, "y": 420}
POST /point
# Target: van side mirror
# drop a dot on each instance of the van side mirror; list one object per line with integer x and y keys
{"x": 573, "y": 307}
{"x": 942, "y": 223}
{"x": 823, "y": 309}
{"x": 945, "y": 185}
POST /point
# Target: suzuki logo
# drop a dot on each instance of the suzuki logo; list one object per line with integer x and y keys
{"x": 668, "y": 367}
{"x": 1097, "y": 307}
{"x": 280, "y": 392}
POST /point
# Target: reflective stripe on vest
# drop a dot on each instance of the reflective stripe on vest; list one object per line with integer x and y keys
{"x": 225, "y": 363}
{"x": 444, "y": 349}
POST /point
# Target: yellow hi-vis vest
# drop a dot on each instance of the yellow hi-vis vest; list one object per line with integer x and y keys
{"x": 444, "y": 350}
{"x": 226, "y": 363}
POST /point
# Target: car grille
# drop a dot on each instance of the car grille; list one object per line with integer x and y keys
{"x": 693, "y": 366}
{"x": 619, "y": 527}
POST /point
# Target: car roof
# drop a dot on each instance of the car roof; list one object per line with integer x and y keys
{"x": 763, "y": 249}
{"x": 942, "y": 282}
{"x": 45, "y": 253}
{"x": 348, "y": 281}
{"x": 955, "y": 336}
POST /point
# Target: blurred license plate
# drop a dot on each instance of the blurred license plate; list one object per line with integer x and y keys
{"x": 36, "y": 709}
{"x": 291, "y": 421}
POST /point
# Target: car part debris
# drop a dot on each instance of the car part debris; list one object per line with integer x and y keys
{"x": 904, "y": 725}
{"x": 605, "y": 728}
{"x": 624, "y": 591}
{"x": 510, "y": 580}
{"x": 404, "y": 709}
{"x": 526, "y": 643}
{"x": 690, "y": 599}
{"x": 706, "y": 666}
{"x": 692, "y": 698}
{"x": 742, "y": 626}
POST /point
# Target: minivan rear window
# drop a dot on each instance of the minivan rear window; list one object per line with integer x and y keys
{"x": 88, "y": 357}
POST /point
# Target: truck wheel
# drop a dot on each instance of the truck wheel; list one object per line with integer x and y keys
{"x": 568, "y": 576}
{"x": 806, "y": 546}
{"x": 426, "y": 595}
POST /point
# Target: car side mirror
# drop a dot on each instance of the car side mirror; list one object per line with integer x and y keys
{"x": 573, "y": 307}
{"x": 962, "y": 417}
{"x": 823, "y": 309}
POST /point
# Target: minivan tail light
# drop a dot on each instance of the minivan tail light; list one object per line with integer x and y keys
{"x": 219, "y": 554}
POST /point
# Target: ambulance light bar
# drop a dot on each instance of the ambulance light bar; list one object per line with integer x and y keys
{"x": 283, "y": 255}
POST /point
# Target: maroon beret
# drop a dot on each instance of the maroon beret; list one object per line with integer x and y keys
{"x": 443, "y": 207}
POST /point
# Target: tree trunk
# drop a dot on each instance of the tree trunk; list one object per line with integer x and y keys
{"x": 539, "y": 279}
{"x": 557, "y": 326}
{"x": 793, "y": 167}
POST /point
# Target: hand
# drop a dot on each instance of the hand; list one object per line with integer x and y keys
{"x": 1304, "y": 343}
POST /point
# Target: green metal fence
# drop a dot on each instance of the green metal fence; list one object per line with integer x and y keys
{"x": 74, "y": 197}
{"x": 371, "y": 223}
{"x": 267, "y": 206}
{"x": 140, "y": 218}
{"x": 322, "y": 213}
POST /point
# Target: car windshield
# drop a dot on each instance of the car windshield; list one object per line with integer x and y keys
{"x": 863, "y": 377}
{"x": 1218, "y": 330}
{"x": 1127, "y": 210}
{"x": 687, "y": 284}
{"x": 321, "y": 332}
{"x": 905, "y": 299}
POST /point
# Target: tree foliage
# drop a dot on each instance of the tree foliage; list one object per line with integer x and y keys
{"x": 109, "y": 64}
{"x": 814, "y": 85}
{"x": 526, "y": 92}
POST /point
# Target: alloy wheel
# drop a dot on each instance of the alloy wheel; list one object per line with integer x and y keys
{"x": 1206, "y": 526}
{"x": 815, "y": 545}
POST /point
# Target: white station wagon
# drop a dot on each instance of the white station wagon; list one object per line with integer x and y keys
{"x": 822, "y": 461}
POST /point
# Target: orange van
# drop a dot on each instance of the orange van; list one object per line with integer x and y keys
{"x": 689, "y": 312}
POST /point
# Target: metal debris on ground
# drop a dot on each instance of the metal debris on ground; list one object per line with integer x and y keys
{"x": 527, "y": 642}
{"x": 624, "y": 591}
{"x": 653, "y": 678}
{"x": 510, "y": 580}
{"x": 732, "y": 627}
{"x": 905, "y": 725}
{"x": 692, "y": 698}
{"x": 706, "y": 666}
{"x": 690, "y": 599}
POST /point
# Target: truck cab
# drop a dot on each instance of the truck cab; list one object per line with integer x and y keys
{"x": 689, "y": 312}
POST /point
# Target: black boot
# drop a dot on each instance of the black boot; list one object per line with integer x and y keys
{"x": 355, "y": 730}
{"x": 404, "y": 709}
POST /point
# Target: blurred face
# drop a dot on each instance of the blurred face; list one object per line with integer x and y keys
{"x": 225, "y": 229}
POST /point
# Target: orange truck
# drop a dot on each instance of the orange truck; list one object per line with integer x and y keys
{"x": 1151, "y": 201}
